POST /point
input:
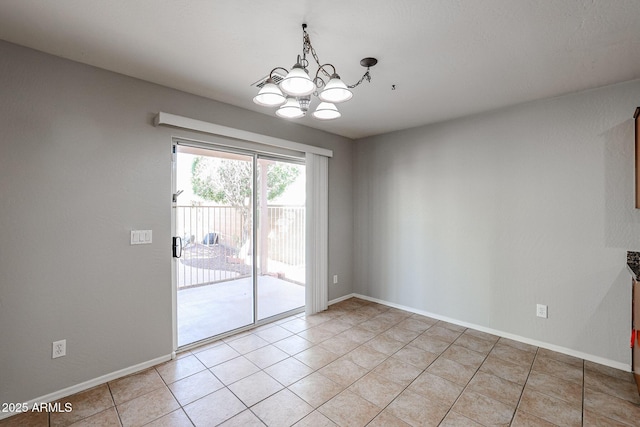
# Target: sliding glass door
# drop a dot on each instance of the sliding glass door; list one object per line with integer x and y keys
{"x": 238, "y": 240}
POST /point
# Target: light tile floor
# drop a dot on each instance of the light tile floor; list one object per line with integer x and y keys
{"x": 359, "y": 364}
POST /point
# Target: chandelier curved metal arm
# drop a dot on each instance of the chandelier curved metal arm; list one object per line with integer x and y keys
{"x": 276, "y": 69}
{"x": 298, "y": 86}
{"x": 319, "y": 81}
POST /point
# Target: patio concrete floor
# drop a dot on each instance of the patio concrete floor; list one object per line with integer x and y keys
{"x": 210, "y": 310}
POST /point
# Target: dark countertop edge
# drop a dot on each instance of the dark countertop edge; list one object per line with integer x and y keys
{"x": 633, "y": 264}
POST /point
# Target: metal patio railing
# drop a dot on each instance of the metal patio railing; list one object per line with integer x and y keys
{"x": 217, "y": 243}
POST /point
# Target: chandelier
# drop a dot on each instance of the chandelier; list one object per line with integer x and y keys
{"x": 292, "y": 93}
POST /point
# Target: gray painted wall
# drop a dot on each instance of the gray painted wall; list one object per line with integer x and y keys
{"x": 81, "y": 165}
{"x": 479, "y": 219}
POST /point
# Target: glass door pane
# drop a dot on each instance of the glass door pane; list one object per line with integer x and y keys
{"x": 280, "y": 234}
{"x": 213, "y": 217}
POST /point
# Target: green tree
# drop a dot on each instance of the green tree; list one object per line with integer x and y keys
{"x": 229, "y": 182}
{"x": 222, "y": 181}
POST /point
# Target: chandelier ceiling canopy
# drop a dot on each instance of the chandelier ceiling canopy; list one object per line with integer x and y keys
{"x": 292, "y": 94}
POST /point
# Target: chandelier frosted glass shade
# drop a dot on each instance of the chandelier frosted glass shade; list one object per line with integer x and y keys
{"x": 335, "y": 91}
{"x": 326, "y": 111}
{"x": 270, "y": 95}
{"x": 290, "y": 109}
{"x": 297, "y": 82}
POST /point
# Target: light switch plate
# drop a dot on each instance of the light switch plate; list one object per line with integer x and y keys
{"x": 141, "y": 237}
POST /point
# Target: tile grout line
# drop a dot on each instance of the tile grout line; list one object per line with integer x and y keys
{"x": 340, "y": 356}
{"x": 181, "y": 407}
{"x": 263, "y": 370}
{"x": 553, "y": 375}
{"x": 434, "y": 361}
{"x": 425, "y": 370}
{"x": 468, "y": 382}
{"x": 115, "y": 407}
{"x": 314, "y": 370}
{"x": 524, "y": 386}
{"x": 584, "y": 384}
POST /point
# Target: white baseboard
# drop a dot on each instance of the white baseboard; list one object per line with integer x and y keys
{"x": 52, "y": 397}
{"x": 553, "y": 347}
{"x": 333, "y": 301}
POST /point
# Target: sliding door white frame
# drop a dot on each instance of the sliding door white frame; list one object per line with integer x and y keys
{"x": 317, "y": 160}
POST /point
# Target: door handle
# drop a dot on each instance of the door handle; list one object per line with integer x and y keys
{"x": 177, "y": 244}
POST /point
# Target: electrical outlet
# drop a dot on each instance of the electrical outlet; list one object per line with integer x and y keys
{"x": 541, "y": 310}
{"x": 59, "y": 349}
{"x": 335, "y": 279}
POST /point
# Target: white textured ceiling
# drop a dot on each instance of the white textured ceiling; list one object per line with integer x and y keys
{"x": 447, "y": 58}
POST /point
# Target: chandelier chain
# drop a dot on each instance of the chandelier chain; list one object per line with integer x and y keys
{"x": 366, "y": 77}
{"x": 308, "y": 48}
